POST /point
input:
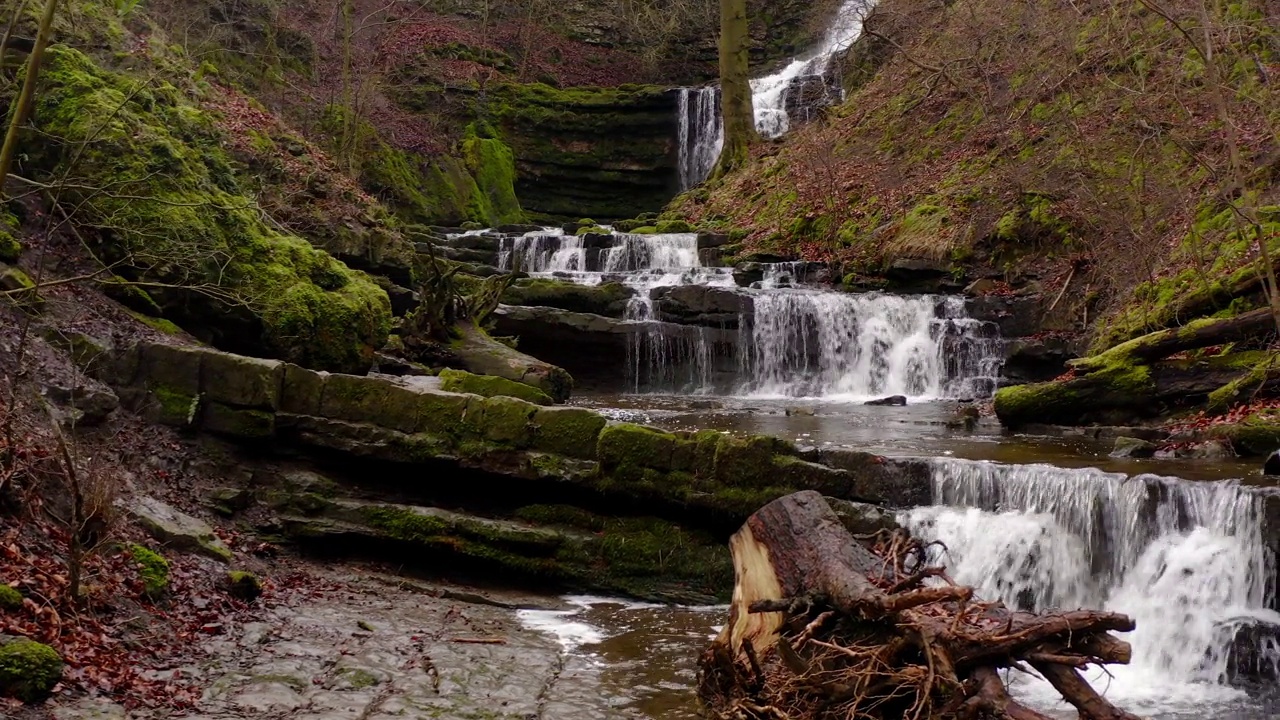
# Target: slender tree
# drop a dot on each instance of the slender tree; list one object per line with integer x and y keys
{"x": 23, "y": 106}
{"x": 735, "y": 86}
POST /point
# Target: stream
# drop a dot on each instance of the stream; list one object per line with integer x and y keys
{"x": 1037, "y": 521}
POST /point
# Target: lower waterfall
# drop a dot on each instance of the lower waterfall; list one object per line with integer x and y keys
{"x": 1185, "y": 559}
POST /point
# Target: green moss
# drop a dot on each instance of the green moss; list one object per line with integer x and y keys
{"x": 592, "y": 230}
{"x": 492, "y": 164}
{"x": 507, "y": 421}
{"x": 10, "y": 248}
{"x": 461, "y": 381}
{"x": 624, "y": 449}
{"x": 1256, "y": 435}
{"x": 156, "y": 323}
{"x": 1242, "y": 388}
{"x": 180, "y": 218}
{"x": 244, "y": 585}
{"x": 574, "y": 432}
{"x": 673, "y": 226}
{"x": 645, "y": 230}
{"x": 28, "y": 670}
{"x": 173, "y": 407}
{"x": 607, "y": 299}
{"x": 10, "y": 598}
{"x": 153, "y": 569}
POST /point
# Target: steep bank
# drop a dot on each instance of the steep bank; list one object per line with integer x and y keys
{"x": 1010, "y": 166}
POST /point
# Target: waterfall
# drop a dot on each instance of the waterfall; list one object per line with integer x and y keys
{"x": 701, "y": 132}
{"x": 1186, "y": 560}
{"x": 815, "y": 343}
{"x": 791, "y": 341}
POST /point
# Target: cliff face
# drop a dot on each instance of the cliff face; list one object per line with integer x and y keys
{"x": 393, "y": 91}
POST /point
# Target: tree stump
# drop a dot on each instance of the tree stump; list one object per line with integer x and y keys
{"x": 822, "y": 625}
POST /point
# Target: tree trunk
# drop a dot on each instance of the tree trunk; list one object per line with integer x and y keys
{"x": 1199, "y": 334}
{"x": 19, "y": 113}
{"x": 483, "y": 355}
{"x": 735, "y": 86}
{"x": 821, "y": 626}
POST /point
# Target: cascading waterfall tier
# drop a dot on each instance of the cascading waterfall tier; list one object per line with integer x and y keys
{"x": 701, "y": 132}
{"x": 1187, "y": 560}
{"x": 791, "y": 341}
{"x": 806, "y": 343}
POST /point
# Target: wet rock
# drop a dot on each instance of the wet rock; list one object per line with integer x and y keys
{"x": 94, "y": 404}
{"x": 1254, "y": 650}
{"x": 518, "y": 229}
{"x": 1016, "y": 316}
{"x": 747, "y": 273}
{"x": 1272, "y": 464}
{"x": 177, "y": 529}
{"x": 459, "y": 381}
{"x": 703, "y": 305}
{"x": 1029, "y": 360}
{"x": 1130, "y": 447}
{"x": 28, "y": 670}
{"x": 799, "y": 412}
{"x": 607, "y": 299}
{"x": 891, "y": 400}
{"x": 862, "y": 518}
{"x": 1208, "y": 450}
{"x": 888, "y": 482}
{"x": 981, "y": 286}
{"x": 708, "y": 240}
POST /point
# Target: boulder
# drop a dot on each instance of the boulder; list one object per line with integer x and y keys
{"x": 93, "y": 402}
{"x": 518, "y": 229}
{"x": 891, "y": 400}
{"x": 708, "y": 240}
{"x": 1029, "y": 360}
{"x": 1130, "y": 447}
{"x": 1272, "y": 464}
{"x": 244, "y": 585}
{"x": 28, "y": 670}
{"x": 703, "y": 305}
{"x": 177, "y": 529}
{"x": 607, "y": 299}
{"x": 747, "y": 273}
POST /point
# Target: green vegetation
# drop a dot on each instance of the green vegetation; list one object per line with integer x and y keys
{"x": 10, "y": 598}
{"x": 152, "y": 568}
{"x": 178, "y": 214}
{"x": 28, "y": 670}
{"x": 489, "y": 386}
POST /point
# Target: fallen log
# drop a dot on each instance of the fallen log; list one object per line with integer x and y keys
{"x": 481, "y": 354}
{"x": 822, "y": 626}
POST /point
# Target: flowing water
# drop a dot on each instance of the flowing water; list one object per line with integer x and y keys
{"x": 701, "y": 132}
{"x": 791, "y": 340}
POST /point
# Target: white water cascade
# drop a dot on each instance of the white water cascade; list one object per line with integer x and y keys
{"x": 790, "y": 340}
{"x": 1186, "y": 560}
{"x": 807, "y": 343}
{"x": 701, "y": 132}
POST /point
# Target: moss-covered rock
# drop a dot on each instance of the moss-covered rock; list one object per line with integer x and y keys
{"x": 10, "y": 598}
{"x": 181, "y": 218}
{"x": 607, "y": 299}
{"x": 574, "y": 432}
{"x": 244, "y": 585}
{"x": 460, "y": 381}
{"x": 153, "y": 569}
{"x": 28, "y": 670}
{"x": 673, "y": 226}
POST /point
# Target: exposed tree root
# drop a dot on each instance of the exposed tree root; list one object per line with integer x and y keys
{"x": 826, "y": 626}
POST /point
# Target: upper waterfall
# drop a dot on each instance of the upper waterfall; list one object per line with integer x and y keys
{"x": 701, "y": 131}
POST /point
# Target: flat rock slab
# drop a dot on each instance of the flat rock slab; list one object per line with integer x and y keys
{"x": 176, "y": 528}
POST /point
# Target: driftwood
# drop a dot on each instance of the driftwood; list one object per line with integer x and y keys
{"x": 823, "y": 626}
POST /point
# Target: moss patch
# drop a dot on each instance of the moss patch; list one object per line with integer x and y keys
{"x": 28, "y": 670}
{"x": 461, "y": 381}
{"x": 153, "y": 569}
{"x": 180, "y": 218}
{"x": 10, "y": 598}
